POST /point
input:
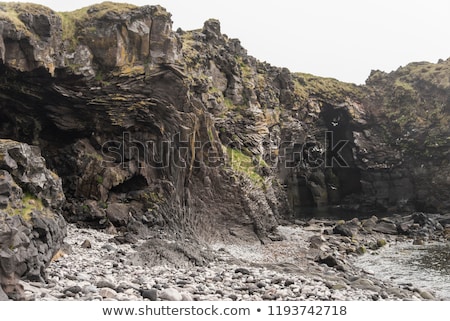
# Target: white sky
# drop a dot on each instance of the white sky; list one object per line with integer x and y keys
{"x": 344, "y": 39}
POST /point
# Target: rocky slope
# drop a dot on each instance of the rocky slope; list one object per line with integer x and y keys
{"x": 32, "y": 228}
{"x": 183, "y": 135}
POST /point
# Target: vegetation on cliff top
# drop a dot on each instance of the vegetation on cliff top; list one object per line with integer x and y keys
{"x": 11, "y": 11}
{"x": 73, "y": 20}
{"x": 329, "y": 89}
{"x": 415, "y": 99}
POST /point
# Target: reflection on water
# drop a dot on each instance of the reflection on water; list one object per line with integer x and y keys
{"x": 426, "y": 267}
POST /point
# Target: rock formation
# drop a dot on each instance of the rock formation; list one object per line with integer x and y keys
{"x": 185, "y": 133}
{"x": 32, "y": 228}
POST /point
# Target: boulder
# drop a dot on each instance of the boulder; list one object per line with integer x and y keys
{"x": 151, "y": 294}
{"x": 318, "y": 242}
{"x": 349, "y": 228}
{"x": 118, "y": 214}
{"x": 386, "y": 227}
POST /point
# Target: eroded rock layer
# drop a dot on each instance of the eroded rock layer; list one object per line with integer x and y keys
{"x": 185, "y": 132}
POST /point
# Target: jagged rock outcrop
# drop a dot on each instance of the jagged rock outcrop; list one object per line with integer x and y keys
{"x": 412, "y": 108}
{"x": 184, "y": 132}
{"x": 134, "y": 147}
{"x": 32, "y": 228}
{"x": 378, "y": 147}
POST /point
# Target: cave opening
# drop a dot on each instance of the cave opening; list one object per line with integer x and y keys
{"x": 338, "y": 122}
{"x": 135, "y": 183}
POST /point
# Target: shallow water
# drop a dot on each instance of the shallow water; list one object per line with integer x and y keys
{"x": 426, "y": 267}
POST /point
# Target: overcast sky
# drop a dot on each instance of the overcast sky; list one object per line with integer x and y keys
{"x": 343, "y": 39}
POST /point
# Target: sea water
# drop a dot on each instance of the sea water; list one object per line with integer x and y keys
{"x": 426, "y": 266}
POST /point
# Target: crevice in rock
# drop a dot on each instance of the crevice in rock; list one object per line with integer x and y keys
{"x": 135, "y": 183}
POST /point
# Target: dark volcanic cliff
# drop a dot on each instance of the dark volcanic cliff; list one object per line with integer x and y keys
{"x": 186, "y": 133}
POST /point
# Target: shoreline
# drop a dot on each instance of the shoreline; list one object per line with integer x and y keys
{"x": 311, "y": 261}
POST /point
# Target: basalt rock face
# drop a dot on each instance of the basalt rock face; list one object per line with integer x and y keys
{"x": 185, "y": 133}
{"x": 412, "y": 108}
{"x": 117, "y": 121}
{"x": 373, "y": 148}
{"x": 32, "y": 228}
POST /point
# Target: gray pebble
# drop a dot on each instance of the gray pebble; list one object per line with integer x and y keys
{"x": 73, "y": 289}
{"x": 89, "y": 289}
{"x": 151, "y": 294}
{"x": 105, "y": 284}
{"x": 242, "y": 271}
{"x": 107, "y": 293}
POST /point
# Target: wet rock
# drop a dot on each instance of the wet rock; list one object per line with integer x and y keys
{"x": 399, "y": 293}
{"x": 365, "y": 284}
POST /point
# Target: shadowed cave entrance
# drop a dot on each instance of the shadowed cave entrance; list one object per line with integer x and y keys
{"x": 135, "y": 183}
{"x": 325, "y": 191}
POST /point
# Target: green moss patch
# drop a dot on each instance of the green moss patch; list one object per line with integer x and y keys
{"x": 30, "y": 203}
{"x": 244, "y": 164}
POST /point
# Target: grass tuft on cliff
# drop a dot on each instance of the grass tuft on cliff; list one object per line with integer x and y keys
{"x": 11, "y": 11}
{"x": 243, "y": 164}
{"x": 72, "y": 20}
{"x": 30, "y": 203}
{"x": 329, "y": 89}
